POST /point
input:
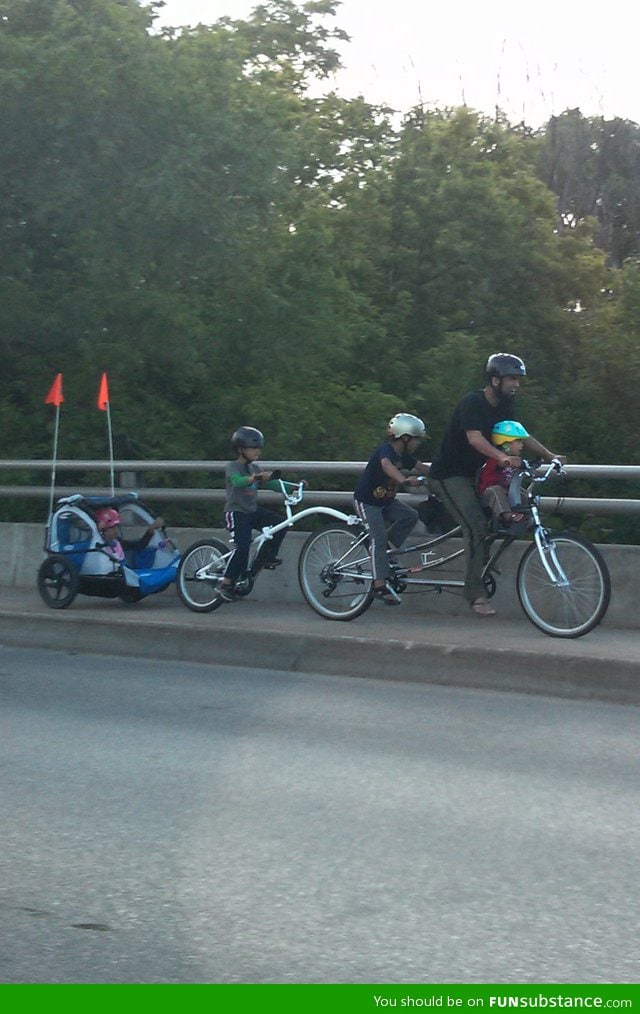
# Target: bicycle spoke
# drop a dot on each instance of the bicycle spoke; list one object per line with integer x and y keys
{"x": 201, "y": 568}
{"x": 335, "y": 574}
{"x": 569, "y": 596}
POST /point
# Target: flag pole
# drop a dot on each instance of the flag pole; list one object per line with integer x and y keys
{"x": 54, "y": 460}
{"x": 113, "y": 484}
{"x": 54, "y": 397}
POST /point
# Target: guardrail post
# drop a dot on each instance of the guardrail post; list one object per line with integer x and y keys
{"x": 131, "y": 480}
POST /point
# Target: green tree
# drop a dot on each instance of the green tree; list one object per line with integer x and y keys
{"x": 149, "y": 209}
{"x": 474, "y": 260}
{"x": 593, "y": 167}
{"x": 181, "y": 209}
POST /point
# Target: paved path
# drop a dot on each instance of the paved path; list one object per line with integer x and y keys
{"x": 176, "y": 823}
{"x": 385, "y": 643}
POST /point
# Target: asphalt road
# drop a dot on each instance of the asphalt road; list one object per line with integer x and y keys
{"x": 170, "y": 822}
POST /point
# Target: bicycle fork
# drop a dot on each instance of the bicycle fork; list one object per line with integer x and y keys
{"x": 547, "y": 553}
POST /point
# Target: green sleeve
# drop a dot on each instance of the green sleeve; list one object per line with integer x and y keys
{"x": 240, "y": 481}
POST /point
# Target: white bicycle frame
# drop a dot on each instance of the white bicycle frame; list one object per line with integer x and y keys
{"x": 557, "y": 577}
{"x": 291, "y": 499}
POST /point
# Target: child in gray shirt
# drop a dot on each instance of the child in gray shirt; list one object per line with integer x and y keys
{"x": 244, "y": 477}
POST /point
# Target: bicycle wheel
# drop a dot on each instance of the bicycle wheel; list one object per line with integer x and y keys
{"x": 334, "y": 572}
{"x": 575, "y": 601}
{"x": 58, "y": 581}
{"x": 201, "y": 567}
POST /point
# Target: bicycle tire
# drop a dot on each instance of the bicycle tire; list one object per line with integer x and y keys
{"x": 58, "y": 581}
{"x": 572, "y": 609}
{"x": 337, "y": 584}
{"x": 200, "y": 594}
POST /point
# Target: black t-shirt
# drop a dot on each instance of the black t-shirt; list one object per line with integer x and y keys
{"x": 375, "y": 486}
{"x": 455, "y": 455}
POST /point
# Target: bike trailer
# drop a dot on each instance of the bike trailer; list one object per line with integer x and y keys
{"x": 79, "y": 562}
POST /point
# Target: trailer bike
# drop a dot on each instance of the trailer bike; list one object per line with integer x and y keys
{"x": 204, "y": 562}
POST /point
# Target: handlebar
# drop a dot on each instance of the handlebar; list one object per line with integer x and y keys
{"x": 422, "y": 479}
{"x": 292, "y": 496}
{"x": 530, "y": 469}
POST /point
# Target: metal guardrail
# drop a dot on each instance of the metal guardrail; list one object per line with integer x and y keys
{"x": 129, "y": 473}
{"x": 308, "y": 467}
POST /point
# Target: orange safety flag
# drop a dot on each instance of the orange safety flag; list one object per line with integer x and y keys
{"x": 103, "y": 394}
{"x": 55, "y": 396}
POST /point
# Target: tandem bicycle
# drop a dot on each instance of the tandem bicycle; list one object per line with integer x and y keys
{"x": 562, "y": 581}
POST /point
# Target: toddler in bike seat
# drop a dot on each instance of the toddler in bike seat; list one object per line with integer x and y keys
{"x": 494, "y": 479}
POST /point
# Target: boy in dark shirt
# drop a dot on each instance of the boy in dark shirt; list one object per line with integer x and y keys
{"x": 375, "y": 496}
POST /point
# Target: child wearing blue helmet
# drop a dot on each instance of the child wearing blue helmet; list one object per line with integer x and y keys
{"x": 494, "y": 478}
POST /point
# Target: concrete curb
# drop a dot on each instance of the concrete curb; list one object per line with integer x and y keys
{"x": 579, "y": 672}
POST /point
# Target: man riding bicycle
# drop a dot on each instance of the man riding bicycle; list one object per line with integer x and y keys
{"x": 465, "y": 446}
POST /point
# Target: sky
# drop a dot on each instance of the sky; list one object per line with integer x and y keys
{"x": 531, "y": 59}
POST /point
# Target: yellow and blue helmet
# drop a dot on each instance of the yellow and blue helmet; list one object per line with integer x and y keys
{"x": 506, "y": 431}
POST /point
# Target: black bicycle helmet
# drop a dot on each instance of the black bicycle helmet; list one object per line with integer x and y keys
{"x": 247, "y": 436}
{"x": 504, "y": 364}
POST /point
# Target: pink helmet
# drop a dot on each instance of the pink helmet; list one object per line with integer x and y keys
{"x": 107, "y": 518}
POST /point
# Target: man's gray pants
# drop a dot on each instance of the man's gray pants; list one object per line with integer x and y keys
{"x": 458, "y": 494}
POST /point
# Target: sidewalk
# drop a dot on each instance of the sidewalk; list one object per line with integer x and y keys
{"x": 385, "y": 643}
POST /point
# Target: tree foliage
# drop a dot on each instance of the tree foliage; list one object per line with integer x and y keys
{"x": 593, "y": 166}
{"x": 187, "y": 210}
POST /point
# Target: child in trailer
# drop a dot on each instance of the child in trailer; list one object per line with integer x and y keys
{"x": 108, "y": 521}
{"x": 494, "y": 479}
